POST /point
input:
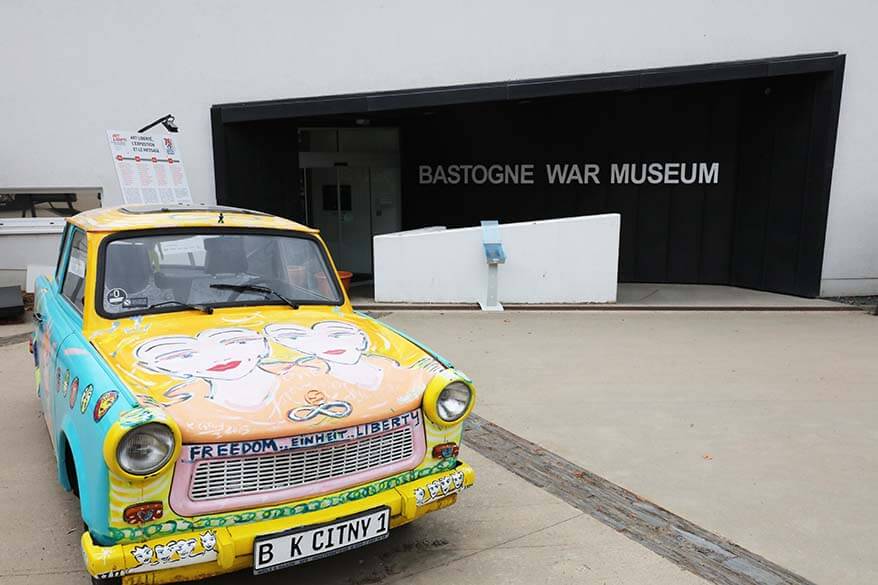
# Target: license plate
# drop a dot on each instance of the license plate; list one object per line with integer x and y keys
{"x": 300, "y": 545}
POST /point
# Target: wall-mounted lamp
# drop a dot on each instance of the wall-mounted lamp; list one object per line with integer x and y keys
{"x": 166, "y": 121}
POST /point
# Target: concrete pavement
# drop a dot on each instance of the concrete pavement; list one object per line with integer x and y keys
{"x": 700, "y": 296}
{"x": 634, "y": 296}
{"x": 760, "y": 427}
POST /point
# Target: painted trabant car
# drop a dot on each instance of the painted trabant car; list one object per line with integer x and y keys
{"x": 217, "y": 404}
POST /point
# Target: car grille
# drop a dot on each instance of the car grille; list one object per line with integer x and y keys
{"x": 264, "y": 473}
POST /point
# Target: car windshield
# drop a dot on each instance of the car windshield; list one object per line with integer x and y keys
{"x": 167, "y": 271}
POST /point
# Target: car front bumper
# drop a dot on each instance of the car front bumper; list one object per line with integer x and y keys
{"x": 233, "y": 548}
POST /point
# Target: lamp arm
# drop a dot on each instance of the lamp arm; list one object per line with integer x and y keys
{"x": 156, "y": 123}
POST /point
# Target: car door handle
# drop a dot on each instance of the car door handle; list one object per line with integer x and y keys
{"x": 38, "y": 318}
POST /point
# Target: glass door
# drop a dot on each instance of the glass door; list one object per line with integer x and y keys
{"x": 351, "y": 188}
{"x": 339, "y": 205}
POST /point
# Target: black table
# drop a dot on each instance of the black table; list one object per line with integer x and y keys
{"x": 25, "y": 202}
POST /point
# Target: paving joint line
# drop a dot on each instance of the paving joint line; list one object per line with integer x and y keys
{"x": 390, "y": 307}
{"x": 699, "y": 551}
{"x": 13, "y": 339}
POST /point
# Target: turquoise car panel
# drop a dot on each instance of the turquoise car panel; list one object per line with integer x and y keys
{"x": 72, "y": 380}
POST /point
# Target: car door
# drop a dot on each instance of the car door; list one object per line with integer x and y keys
{"x": 58, "y": 310}
{"x": 77, "y": 391}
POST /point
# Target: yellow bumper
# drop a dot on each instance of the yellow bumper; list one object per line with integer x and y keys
{"x": 231, "y": 548}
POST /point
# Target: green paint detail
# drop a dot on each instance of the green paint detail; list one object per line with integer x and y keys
{"x": 434, "y": 354}
{"x": 119, "y": 535}
{"x": 136, "y": 417}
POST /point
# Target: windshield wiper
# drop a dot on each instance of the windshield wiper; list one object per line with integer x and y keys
{"x": 254, "y": 288}
{"x": 202, "y": 308}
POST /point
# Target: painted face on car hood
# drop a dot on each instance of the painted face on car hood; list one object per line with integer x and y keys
{"x": 238, "y": 375}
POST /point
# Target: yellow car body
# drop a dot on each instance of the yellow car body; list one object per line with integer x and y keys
{"x": 101, "y": 376}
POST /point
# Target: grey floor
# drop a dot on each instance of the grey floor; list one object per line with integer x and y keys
{"x": 701, "y": 295}
{"x": 662, "y": 296}
{"x": 757, "y": 426}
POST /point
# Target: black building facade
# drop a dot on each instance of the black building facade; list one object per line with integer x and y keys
{"x": 721, "y": 172}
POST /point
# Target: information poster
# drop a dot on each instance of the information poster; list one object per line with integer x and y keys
{"x": 149, "y": 167}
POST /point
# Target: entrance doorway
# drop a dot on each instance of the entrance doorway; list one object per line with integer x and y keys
{"x": 350, "y": 189}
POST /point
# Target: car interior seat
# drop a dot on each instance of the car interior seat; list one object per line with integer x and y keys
{"x": 225, "y": 255}
{"x": 128, "y": 267}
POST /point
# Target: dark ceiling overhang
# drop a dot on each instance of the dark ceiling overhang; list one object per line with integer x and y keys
{"x": 524, "y": 88}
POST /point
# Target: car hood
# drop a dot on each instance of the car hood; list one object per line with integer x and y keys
{"x": 239, "y": 375}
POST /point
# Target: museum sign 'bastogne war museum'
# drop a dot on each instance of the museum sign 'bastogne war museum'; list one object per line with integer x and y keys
{"x": 731, "y": 158}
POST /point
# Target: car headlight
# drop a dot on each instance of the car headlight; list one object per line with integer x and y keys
{"x": 145, "y": 449}
{"x": 453, "y": 401}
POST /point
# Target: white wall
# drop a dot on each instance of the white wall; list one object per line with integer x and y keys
{"x": 29, "y": 242}
{"x": 569, "y": 260}
{"x": 70, "y": 70}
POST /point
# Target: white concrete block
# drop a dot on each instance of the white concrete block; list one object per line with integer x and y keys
{"x": 34, "y": 271}
{"x": 20, "y": 250}
{"x": 569, "y": 260}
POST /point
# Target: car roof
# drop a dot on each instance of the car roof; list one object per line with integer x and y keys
{"x": 140, "y": 217}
